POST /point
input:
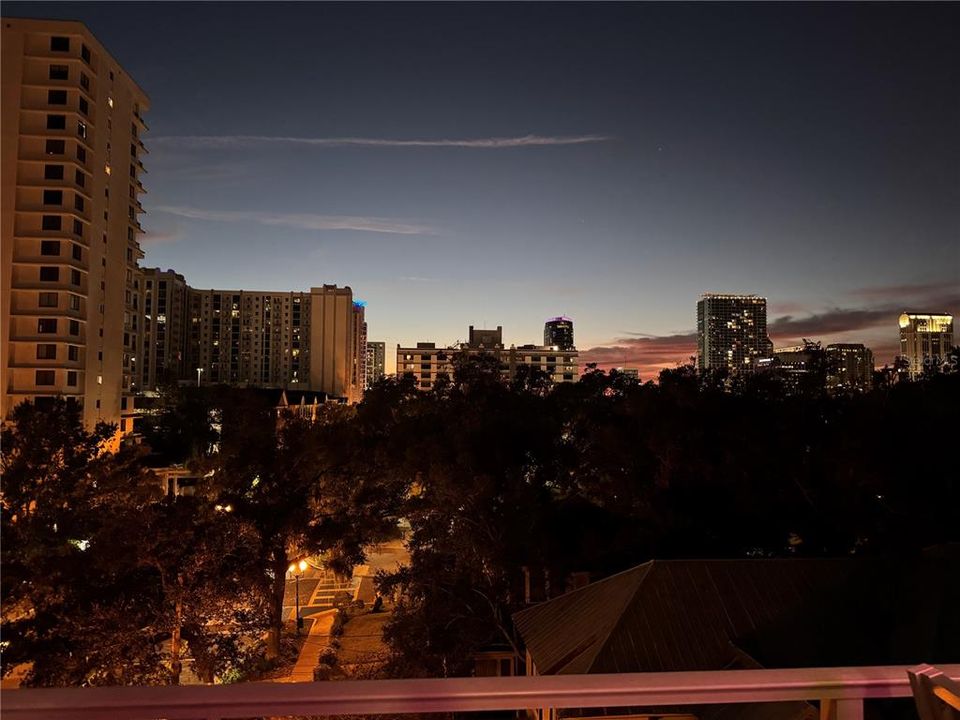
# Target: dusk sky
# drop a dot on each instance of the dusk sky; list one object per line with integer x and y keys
{"x": 500, "y": 164}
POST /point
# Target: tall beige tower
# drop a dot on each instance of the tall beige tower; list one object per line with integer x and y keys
{"x": 72, "y": 120}
{"x": 332, "y": 341}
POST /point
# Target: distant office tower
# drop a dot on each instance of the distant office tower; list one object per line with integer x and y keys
{"x": 925, "y": 339}
{"x": 71, "y": 165}
{"x": 849, "y": 368}
{"x": 166, "y": 308}
{"x": 558, "y": 332}
{"x": 632, "y": 373}
{"x": 296, "y": 340}
{"x": 731, "y": 331}
{"x": 358, "y": 378}
{"x": 426, "y": 362}
{"x": 376, "y": 359}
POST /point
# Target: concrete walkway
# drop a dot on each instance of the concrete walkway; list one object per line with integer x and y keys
{"x": 317, "y": 640}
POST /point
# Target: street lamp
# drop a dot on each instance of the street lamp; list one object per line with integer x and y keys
{"x": 301, "y": 566}
{"x": 199, "y": 371}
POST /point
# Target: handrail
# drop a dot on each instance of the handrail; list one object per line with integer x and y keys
{"x": 463, "y": 694}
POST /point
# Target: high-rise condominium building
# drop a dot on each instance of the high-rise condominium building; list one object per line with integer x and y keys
{"x": 925, "y": 339}
{"x": 165, "y": 320}
{"x": 296, "y": 340}
{"x": 558, "y": 332}
{"x": 731, "y": 331}
{"x": 376, "y": 361}
{"x": 427, "y": 363}
{"x": 72, "y": 120}
{"x": 849, "y": 368}
{"x": 358, "y": 376}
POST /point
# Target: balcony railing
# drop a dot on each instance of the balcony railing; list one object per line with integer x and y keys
{"x": 840, "y": 692}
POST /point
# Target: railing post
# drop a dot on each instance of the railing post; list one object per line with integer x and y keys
{"x": 851, "y": 709}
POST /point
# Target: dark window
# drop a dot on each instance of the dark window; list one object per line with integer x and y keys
{"x": 85, "y": 53}
{"x": 49, "y": 247}
{"x": 59, "y": 72}
{"x": 84, "y": 82}
{"x": 74, "y": 277}
{"x": 83, "y": 105}
{"x": 47, "y": 326}
{"x": 57, "y": 97}
{"x": 73, "y": 352}
{"x": 81, "y": 154}
{"x": 133, "y": 171}
{"x": 60, "y": 44}
{"x": 77, "y": 252}
{"x": 56, "y": 147}
{"x": 71, "y": 378}
{"x": 46, "y": 377}
{"x": 49, "y": 274}
{"x": 133, "y": 150}
{"x": 48, "y": 299}
{"x": 74, "y": 327}
{"x": 80, "y": 178}
{"x": 56, "y": 122}
{"x": 53, "y": 197}
{"x": 74, "y": 302}
{"x": 46, "y": 352}
{"x": 78, "y": 228}
{"x": 51, "y": 222}
{"x": 53, "y": 172}
{"x": 78, "y": 202}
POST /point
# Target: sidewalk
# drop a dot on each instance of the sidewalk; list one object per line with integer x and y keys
{"x": 316, "y": 642}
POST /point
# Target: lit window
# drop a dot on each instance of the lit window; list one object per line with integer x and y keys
{"x": 110, "y": 101}
{"x": 106, "y": 169}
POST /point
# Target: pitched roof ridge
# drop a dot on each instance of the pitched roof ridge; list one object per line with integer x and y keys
{"x": 649, "y": 565}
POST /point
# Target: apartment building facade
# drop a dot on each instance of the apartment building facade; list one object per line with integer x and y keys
{"x": 731, "y": 331}
{"x": 164, "y": 322}
{"x": 376, "y": 361}
{"x": 72, "y": 157}
{"x": 427, "y": 363}
{"x": 293, "y": 340}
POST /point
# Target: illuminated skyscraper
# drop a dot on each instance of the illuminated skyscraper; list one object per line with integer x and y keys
{"x": 72, "y": 119}
{"x": 558, "y": 333}
{"x": 731, "y": 331}
{"x": 925, "y": 339}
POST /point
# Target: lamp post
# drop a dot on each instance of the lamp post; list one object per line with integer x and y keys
{"x": 301, "y": 566}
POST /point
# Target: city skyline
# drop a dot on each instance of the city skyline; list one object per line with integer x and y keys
{"x": 533, "y": 174}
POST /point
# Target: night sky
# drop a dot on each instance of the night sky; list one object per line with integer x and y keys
{"x": 606, "y": 162}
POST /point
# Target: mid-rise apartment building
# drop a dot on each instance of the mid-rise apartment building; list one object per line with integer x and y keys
{"x": 296, "y": 340}
{"x": 849, "y": 368}
{"x": 427, "y": 363}
{"x": 164, "y": 321}
{"x": 925, "y": 339}
{"x": 72, "y": 156}
{"x": 376, "y": 361}
{"x": 731, "y": 331}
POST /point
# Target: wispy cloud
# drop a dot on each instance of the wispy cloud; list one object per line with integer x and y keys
{"x": 245, "y": 141}
{"x": 303, "y": 221}
{"x": 154, "y": 237}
